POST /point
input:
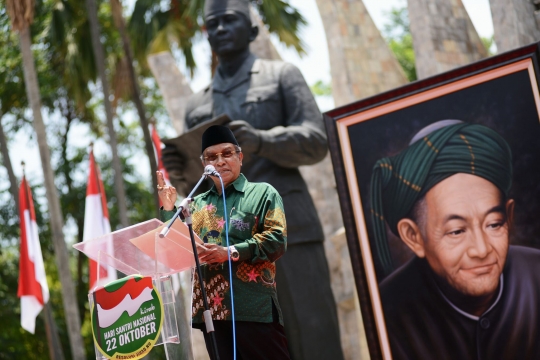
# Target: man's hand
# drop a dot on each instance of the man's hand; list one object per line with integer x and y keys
{"x": 248, "y": 137}
{"x": 212, "y": 253}
{"x": 166, "y": 193}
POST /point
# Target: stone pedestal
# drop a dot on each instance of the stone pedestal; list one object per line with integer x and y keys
{"x": 515, "y": 23}
{"x": 443, "y": 36}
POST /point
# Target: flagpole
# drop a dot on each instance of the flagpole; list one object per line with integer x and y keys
{"x": 55, "y": 347}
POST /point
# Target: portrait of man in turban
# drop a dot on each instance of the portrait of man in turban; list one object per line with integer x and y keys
{"x": 440, "y": 186}
{"x": 466, "y": 291}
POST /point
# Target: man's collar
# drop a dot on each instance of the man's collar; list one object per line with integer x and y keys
{"x": 250, "y": 66}
{"x": 239, "y": 185}
{"x": 471, "y": 316}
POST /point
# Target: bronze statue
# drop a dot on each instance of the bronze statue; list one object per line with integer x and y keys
{"x": 279, "y": 128}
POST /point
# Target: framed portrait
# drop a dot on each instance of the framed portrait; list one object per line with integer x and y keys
{"x": 501, "y": 94}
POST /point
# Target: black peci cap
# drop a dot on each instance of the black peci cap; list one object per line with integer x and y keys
{"x": 212, "y": 7}
{"x": 217, "y": 134}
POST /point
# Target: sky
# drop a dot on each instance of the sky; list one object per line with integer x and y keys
{"x": 314, "y": 66}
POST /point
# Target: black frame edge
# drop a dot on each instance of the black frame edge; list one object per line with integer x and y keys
{"x": 353, "y": 243}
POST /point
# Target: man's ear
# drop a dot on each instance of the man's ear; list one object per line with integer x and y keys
{"x": 241, "y": 157}
{"x": 253, "y": 33}
{"x": 410, "y": 234}
{"x": 510, "y": 204}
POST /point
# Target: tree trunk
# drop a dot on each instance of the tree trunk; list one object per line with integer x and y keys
{"x": 55, "y": 213}
{"x": 7, "y": 164}
{"x": 116, "y": 8}
{"x": 100, "y": 63}
{"x": 55, "y": 347}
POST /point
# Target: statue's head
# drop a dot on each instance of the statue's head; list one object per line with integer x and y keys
{"x": 228, "y": 24}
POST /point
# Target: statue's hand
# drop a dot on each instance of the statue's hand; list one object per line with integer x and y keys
{"x": 173, "y": 161}
{"x": 248, "y": 137}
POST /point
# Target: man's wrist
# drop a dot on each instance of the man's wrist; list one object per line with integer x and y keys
{"x": 235, "y": 255}
{"x": 166, "y": 215}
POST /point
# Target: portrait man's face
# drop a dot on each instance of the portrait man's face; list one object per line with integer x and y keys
{"x": 229, "y": 32}
{"x": 464, "y": 233}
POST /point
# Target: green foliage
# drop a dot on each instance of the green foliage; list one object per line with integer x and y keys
{"x": 16, "y": 342}
{"x": 12, "y": 91}
{"x": 398, "y": 22}
{"x": 321, "y": 88}
{"x": 154, "y": 27}
{"x": 397, "y": 33}
{"x": 489, "y": 44}
{"x": 283, "y": 20}
{"x": 404, "y": 52}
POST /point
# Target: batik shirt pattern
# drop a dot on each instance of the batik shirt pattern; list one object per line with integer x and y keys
{"x": 257, "y": 228}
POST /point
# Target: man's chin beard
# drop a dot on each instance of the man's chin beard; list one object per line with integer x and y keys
{"x": 472, "y": 291}
{"x": 466, "y": 289}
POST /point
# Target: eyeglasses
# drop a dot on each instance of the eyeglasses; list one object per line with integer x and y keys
{"x": 212, "y": 158}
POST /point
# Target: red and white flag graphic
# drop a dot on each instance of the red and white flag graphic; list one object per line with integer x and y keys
{"x": 96, "y": 222}
{"x": 33, "y": 288}
{"x": 130, "y": 297}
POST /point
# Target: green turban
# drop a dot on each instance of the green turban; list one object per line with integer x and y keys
{"x": 399, "y": 181}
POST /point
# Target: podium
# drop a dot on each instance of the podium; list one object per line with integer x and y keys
{"x": 139, "y": 250}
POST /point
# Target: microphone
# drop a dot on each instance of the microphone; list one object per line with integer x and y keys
{"x": 211, "y": 170}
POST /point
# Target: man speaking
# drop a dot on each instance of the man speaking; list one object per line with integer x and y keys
{"x": 466, "y": 294}
{"x": 279, "y": 127}
{"x": 258, "y": 237}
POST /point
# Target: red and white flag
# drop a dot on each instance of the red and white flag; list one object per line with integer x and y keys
{"x": 96, "y": 222}
{"x": 156, "y": 141}
{"x": 33, "y": 288}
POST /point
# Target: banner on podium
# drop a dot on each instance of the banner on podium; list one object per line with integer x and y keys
{"x": 127, "y": 317}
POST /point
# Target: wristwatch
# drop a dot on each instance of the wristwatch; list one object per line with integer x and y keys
{"x": 235, "y": 255}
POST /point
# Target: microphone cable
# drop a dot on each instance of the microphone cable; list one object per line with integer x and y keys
{"x": 230, "y": 263}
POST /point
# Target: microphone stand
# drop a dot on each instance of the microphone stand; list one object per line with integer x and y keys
{"x": 184, "y": 209}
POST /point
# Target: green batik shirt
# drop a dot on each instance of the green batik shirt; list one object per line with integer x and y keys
{"x": 258, "y": 230}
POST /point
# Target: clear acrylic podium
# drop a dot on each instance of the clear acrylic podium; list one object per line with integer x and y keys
{"x": 139, "y": 249}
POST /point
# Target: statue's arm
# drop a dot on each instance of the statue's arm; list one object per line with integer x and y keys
{"x": 302, "y": 138}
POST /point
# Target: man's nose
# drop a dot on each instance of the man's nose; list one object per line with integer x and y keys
{"x": 480, "y": 246}
{"x": 220, "y": 159}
